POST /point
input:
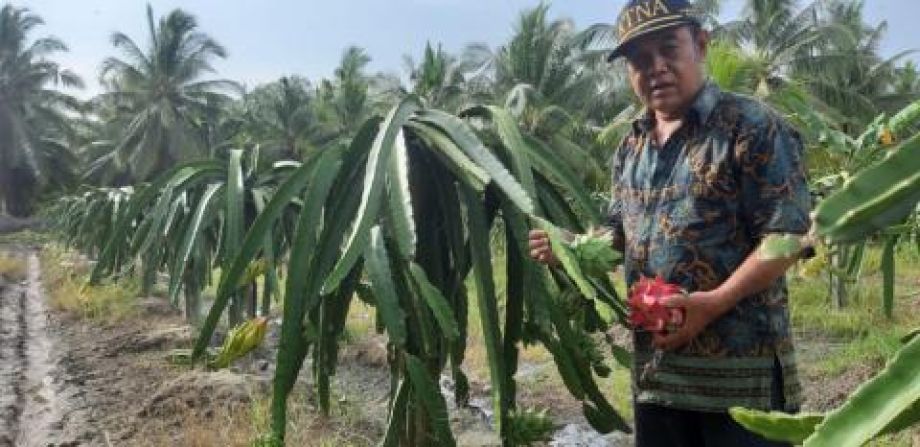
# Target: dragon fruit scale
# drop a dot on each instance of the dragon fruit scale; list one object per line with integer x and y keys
{"x": 647, "y": 305}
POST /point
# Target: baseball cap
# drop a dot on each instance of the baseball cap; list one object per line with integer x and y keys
{"x": 641, "y": 17}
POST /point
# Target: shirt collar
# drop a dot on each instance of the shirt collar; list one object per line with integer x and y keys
{"x": 700, "y": 110}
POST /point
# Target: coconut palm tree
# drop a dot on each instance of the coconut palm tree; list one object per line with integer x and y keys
{"x": 351, "y": 102}
{"x": 33, "y": 124}
{"x": 847, "y": 71}
{"x": 160, "y": 92}
{"x": 558, "y": 85}
{"x": 907, "y": 79}
{"x": 283, "y": 118}
{"x": 777, "y": 38}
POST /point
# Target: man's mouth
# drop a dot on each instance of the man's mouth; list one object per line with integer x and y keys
{"x": 658, "y": 89}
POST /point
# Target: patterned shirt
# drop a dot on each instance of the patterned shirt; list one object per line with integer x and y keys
{"x": 691, "y": 212}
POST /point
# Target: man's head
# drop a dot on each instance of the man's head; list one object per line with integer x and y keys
{"x": 665, "y": 49}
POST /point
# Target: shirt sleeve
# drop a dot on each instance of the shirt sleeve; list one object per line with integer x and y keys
{"x": 774, "y": 188}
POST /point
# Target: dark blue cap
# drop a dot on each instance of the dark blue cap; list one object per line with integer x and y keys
{"x": 641, "y": 17}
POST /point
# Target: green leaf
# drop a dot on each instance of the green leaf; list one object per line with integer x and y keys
{"x": 910, "y": 335}
{"x": 233, "y": 224}
{"x": 546, "y": 162}
{"x": 322, "y": 173}
{"x": 467, "y": 140}
{"x": 623, "y": 357}
{"x": 374, "y": 184}
{"x": 888, "y": 267}
{"x": 903, "y": 120}
{"x": 780, "y": 246}
{"x": 478, "y": 229}
{"x": 189, "y": 238}
{"x": 511, "y": 138}
{"x": 443, "y": 313}
{"x": 400, "y": 199}
{"x": 777, "y": 426}
{"x": 432, "y": 400}
{"x": 599, "y": 420}
{"x": 875, "y": 198}
{"x": 301, "y": 288}
{"x": 566, "y": 258}
{"x": 396, "y": 421}
{"x": 138, "y": 203}
{"x": 875, "y": 404}
{"x": 455, "y": 159}
{"x": 377, "y": 263}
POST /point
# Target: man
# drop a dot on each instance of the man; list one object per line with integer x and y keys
{"x": 698, "y": 183}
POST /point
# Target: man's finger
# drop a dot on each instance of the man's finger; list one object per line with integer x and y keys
{"x": 679, "y": 300}
{"x": 669, "y": 342}
{"x": 534, "y": 243}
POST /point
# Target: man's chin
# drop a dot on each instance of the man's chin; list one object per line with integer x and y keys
{"x": 667, "y": 105}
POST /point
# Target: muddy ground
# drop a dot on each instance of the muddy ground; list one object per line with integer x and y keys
{"x": 70, "y": 382}
{"x": 67, "y": 381}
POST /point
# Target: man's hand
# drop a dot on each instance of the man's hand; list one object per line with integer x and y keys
{"x": 700, "y": 309}
{"x": 753, "y": 276}
{"x": 540, "y": 249}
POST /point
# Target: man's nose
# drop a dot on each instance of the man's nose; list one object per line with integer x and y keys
{"x": 657, "y": 63}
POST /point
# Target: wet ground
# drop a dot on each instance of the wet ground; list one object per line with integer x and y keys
{"x": 31, "y": 414}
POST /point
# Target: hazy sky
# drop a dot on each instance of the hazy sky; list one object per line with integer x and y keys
{"x": 268, "y": 38}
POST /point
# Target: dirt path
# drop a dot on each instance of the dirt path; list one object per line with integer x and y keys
{"x": 68, "y": 382}
{"x": 31, "y": 415}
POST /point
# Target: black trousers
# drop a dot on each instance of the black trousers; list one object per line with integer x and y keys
{"x": 660, "y": 426}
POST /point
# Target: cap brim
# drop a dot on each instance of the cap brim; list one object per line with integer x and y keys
{"x": 672, "y": 22}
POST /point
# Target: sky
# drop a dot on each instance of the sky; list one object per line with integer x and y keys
{"x": 266, "y": 39}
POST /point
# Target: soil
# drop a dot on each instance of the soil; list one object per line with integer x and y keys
{"x": 66, "y": 382}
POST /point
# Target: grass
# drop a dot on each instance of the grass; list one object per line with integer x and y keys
{"x": 860, "y": 332}
{"x": 857, "y": 336}
{"x": 66, "y": 279}
{"x": 247, "y": 426}
{"x": 347, "y": 425}
{"x": 27, "y": 237}
{"x": 13, "y": 269}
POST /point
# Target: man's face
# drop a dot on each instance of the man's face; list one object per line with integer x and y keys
{"x": 665, "y": 68}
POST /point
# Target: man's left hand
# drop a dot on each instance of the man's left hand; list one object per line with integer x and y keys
{"x": 700, "y": 309}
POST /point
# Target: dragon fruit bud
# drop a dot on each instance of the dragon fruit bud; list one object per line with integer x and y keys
{"x": 595, "y": 253}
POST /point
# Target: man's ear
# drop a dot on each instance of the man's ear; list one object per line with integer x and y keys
{"x": 702, "y": 43}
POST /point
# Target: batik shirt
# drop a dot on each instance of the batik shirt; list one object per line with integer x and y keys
{"x": 690, "y": 212}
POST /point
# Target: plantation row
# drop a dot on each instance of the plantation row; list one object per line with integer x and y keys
{"x": 297, "y": 200}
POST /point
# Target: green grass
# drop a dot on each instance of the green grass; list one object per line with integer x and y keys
{"x": 12, "y": 268}
{"x": 66, "y": 281}
{"x": 853, "y": 337}
{"x": 27, "y": 237}
{"x": 860, "y": 333}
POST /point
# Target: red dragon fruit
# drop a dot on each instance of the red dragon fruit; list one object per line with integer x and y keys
{"x": 647, "y": 308}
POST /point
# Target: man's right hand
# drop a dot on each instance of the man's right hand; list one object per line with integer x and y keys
{"x": 540, "y": 249}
